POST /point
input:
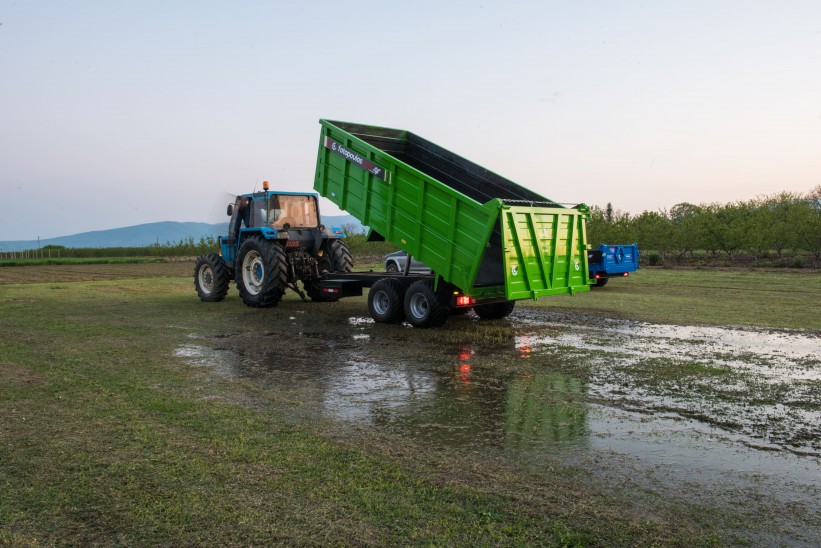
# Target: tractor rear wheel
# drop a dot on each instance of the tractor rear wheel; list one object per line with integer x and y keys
{"x": 423, "y": 307}
{"x": 211, "y": 278}
{"x": 494, "y": 311}
{"x": 341, "y": 256}
{"x": 386, "y": 301}
{"x": 262, "y": 273}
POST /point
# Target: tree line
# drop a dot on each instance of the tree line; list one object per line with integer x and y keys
{"x": 779, "y": 230}
{"x": 187, "y": 247}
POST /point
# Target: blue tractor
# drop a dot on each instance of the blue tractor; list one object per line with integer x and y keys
{"x": 275, "y": 239}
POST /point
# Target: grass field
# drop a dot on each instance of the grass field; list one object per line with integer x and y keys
{"x": 110, "y": 438}
{"x": 772, "y": 299}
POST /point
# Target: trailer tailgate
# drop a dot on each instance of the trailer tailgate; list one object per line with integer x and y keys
{"x": 544, "y": 252}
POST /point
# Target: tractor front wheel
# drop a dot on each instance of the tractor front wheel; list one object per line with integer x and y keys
{"x": 262, "y": 273}
{"x": 211, "y": 278}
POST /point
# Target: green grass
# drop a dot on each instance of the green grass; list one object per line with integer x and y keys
{"x": 108, "y": 438}
{"x": 770, "y": 299}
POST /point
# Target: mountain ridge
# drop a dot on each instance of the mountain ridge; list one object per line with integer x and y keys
{"x": 145, "y": 234}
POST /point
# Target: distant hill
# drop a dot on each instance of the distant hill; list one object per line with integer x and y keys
{"x": 148, "y": 234}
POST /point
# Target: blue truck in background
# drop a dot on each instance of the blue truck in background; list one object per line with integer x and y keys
{"x": 612, "y": 261}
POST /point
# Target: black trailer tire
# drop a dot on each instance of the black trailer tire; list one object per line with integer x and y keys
{"x": 386, "y": 301}
{"x": 494, "y": 311}
{"x": 211, "y": 278}
{"x": 601, "y": 282}
{"x": 262, "y": 272}
{"x": 422, "y": 306}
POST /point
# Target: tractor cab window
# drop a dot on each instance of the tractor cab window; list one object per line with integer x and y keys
{"x": 260, "y": 213}
{"x": 296, "y": 211}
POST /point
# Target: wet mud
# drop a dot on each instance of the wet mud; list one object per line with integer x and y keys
{"x": 712, "y": 417}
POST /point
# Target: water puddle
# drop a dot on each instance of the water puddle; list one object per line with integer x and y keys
{"x": 728, "y": 415}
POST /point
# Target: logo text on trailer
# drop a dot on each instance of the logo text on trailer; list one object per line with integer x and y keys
{"x": 355, "y": 158}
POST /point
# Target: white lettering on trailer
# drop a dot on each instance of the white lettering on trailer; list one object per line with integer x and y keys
{"x": 352, "y": 156}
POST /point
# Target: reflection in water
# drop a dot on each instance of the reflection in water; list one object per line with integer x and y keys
{"x": 456, "y": 401}
{"x": 545, "y": 407}
{"x": 533, "y": 409}
{"x": 516, "y": 400}
{"x": 524, "y": 345}
{"x": 366, "y": 392}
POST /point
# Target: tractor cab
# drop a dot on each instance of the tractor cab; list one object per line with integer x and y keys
{"x": 289, "y": 217}
{"x": 279, "y": 211}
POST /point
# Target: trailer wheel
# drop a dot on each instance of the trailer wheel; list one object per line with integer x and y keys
{"x": 494, "y": 311}
{"x": 422, "y": 306}
{"x": 601, "y": 282}
{"x": 386, "y": 301}
{"x": 211, "y": 278}
{"x": 262, "y": 273}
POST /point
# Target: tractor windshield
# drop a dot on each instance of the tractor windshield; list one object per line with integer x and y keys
{"x": 296, "y": 211}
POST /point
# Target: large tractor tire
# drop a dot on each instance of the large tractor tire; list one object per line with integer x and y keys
{"x": 262, "y": 272}
{"x": 494, "y": 311}
{"x": 337, "y": 258}
{"x": 386, "y": 301}
{"x": 423, "y": 307}
{"x": 211, "y": 278}
{"x": 341, "y": 256}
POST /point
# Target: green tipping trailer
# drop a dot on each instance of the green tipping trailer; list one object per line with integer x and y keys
{"x": 488, "y": 240}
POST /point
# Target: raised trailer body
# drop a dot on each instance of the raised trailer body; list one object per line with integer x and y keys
{"x": 484, "y": 236}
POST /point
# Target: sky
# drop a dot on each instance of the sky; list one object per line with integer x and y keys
{"x": 115, "y": 113}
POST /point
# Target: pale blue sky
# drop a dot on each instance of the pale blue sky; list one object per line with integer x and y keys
{"x": 119, "y": 113}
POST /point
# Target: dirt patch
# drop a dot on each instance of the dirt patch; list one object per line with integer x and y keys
{"x": 13, "y": 374}
{"x": 78, "y": 273}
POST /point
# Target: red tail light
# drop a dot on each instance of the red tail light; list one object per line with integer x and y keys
{"x": 464, "y": 300}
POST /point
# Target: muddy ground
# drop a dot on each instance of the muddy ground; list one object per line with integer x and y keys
{"x": 719, "y": 423}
